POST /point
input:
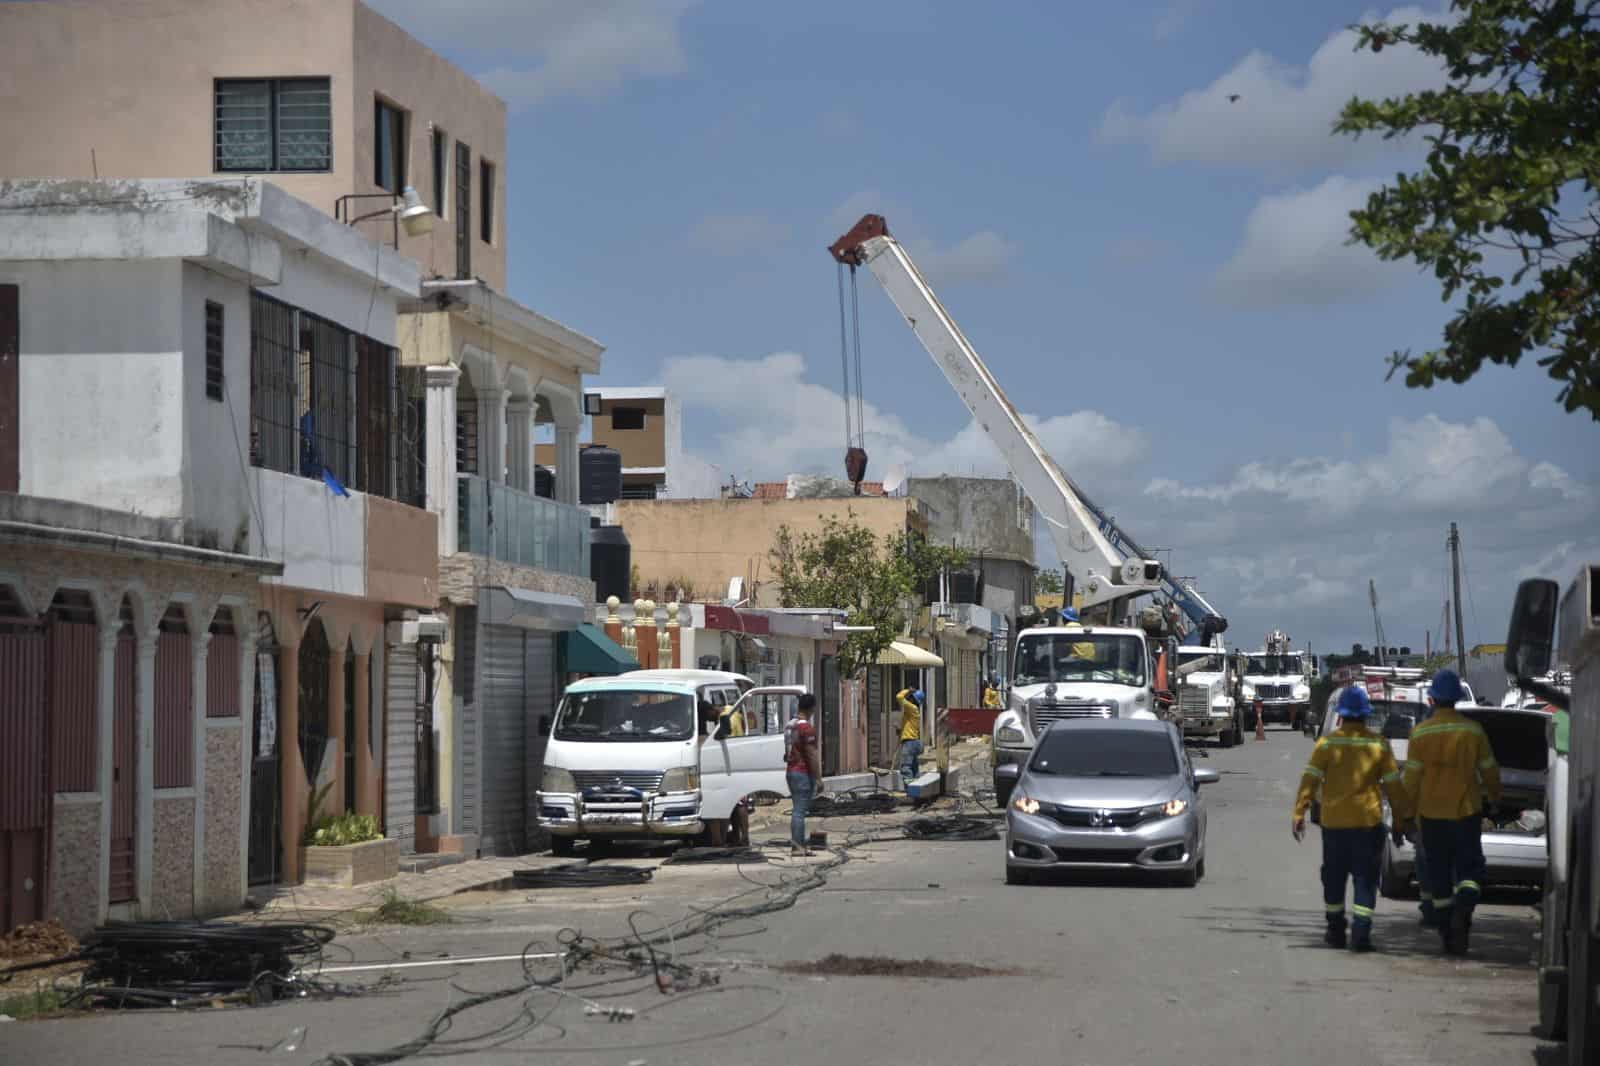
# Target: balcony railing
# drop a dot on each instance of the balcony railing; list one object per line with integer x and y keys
{"x": 518, "y": 527}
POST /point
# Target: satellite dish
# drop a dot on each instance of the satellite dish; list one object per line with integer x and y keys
{"x": 894, "y": 478}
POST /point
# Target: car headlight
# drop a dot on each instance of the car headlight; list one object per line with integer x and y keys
{"x": 555, "y": 779}
{"x": 683, "y": 779}
{"x": 1009, "y": 735}
{"x": 1248, "y": 690}
{"x": 1170, "y": 809}
{"x": 1026, "y": 804}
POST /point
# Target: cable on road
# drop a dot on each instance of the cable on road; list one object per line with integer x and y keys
{"x": 867, "y": 799}
{"x": 951, "y": 827}
{"x": 581, "y": 875}
{"x": 691, "y": 856}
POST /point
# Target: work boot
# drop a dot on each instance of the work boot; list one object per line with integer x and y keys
{"x": 1334, "y": 937}
{"x": 1361, "y": 938}
{"x": 1449, "y": 939}
{"x": 1429, "y": 918}
{"x": 1461, "y": 928}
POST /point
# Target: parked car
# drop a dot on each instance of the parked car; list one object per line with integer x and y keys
{"x": 1514, "y": 829}
{"x": 1109, "y": 794}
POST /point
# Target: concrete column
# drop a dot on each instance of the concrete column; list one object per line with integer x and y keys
{"x": 567, "y": 466}
{"x": 291, "y": 770}
{"x": 145, "y": 792}
{"x": 334, "y": 804}
{"x": 366, "y": 780}
{"x": 440, "y": 437}
{"x": 106, "y": 737}
{"x": 198, "y": 645}
{"x": 247, "y": 744}
{"x": 492, "y": 434}
{"x": 519, "y": 444}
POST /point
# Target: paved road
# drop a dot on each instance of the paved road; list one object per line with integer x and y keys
{"x": 1108, "y": 972}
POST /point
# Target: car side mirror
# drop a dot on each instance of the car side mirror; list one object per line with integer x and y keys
{"x": 1009, "y": 772}
{"x": 1531, "y": 638}
{"x": 1205, "y": 776}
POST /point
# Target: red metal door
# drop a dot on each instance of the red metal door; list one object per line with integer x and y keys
{"x": 124, "y": 770}
{"x": 24, "y": 775}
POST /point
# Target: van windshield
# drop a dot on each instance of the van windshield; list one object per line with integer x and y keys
{"x": 618, "y": 714}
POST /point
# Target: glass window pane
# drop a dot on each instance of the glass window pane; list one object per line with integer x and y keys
{"x": 305, "y": 125}
{"x": 244, "y": 125}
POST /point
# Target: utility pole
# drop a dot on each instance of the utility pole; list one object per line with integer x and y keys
{"x": 1455, "y": 583}
{"x": 1377, "y": 623}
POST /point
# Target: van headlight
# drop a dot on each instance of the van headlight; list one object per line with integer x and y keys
{"x": 1009, "y": 735}
{"x": 555, "y": 779}
{"x": 683, "y": 779}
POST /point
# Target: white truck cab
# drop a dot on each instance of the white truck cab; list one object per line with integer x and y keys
{"x": 1205, "y": 695}
{"x": 1064, "y": 672}
{"x": 1280, "y": 680}
{"x": 627, "y": 757}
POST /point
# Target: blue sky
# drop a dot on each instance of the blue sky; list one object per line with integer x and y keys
{"x": 1156, "y": 274}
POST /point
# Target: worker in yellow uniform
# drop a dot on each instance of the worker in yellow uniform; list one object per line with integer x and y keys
{"x": 1352, "y": 767}
{"x": 991, "y": 696}
{"x": 910, "y": 701}
{"x": 1449, "y": 767}
{"x": 1082, "y": 649}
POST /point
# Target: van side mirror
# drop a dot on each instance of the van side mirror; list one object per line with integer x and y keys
{"x": 1530, "y": 641}
{"x": 1008, "y": 772}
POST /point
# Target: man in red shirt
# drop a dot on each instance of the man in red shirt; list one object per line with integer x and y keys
{"x": 804, "y": 771}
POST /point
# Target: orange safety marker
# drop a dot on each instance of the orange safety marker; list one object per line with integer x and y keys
{"x": 1261, "y": 724}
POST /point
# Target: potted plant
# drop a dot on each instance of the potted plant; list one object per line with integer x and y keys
{"x": 347, "y": 849}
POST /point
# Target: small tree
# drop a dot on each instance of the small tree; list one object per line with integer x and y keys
{"x": 1512, "y": 173}
{"x": 845, "y": 567}
{"x": 1050, "y": 582}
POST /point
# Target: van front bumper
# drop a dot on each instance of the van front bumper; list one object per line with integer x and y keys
{"x": 672, "y": 814}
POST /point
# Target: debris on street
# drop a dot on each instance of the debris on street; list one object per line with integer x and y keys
{"x": 837, "y": 965}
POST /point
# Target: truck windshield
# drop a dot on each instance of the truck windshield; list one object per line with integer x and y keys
{"x": 1279, "y": 665}
{"x": 1208, "y": 663}
{"x": 1117, "y": 658}
{"x": 617, "y": 714}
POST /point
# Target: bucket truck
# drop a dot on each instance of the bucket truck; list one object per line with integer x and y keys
{"x": 1099, "y": 669}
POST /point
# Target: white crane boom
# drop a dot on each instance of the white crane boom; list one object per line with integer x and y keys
{"x": 1083, "y": 548}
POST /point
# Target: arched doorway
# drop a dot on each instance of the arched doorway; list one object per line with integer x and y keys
{"x": 315, "y": 656}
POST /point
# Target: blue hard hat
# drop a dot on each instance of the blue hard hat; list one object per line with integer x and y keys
{"x": 1353, "y": 703}
{"x": 1446, "y": 687}
{"x": 1069, "y": 614}
{"x": 917, "y": 696}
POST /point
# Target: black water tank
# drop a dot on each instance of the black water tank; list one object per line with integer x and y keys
{"x": 610, "y": 562}
{"x": 599, "y": 474}
{"x": 544, "y": 482}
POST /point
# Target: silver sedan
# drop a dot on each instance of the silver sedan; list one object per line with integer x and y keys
{"x": 1117, "y": 794}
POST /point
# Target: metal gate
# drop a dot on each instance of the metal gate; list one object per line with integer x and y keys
{"x": 124, "y": 768}
{"x": 504, "y": 741}
{"x": 875, "y": 716}
{"x": 404, "y": 722}
{"x": 24, "y": 787}
{"x": 832, "y": 735}
{"x": 538, "y": 714}
{"x": 469, "y": 743}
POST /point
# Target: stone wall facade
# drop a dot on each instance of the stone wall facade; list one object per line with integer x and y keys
{"x": 462, "y": 574}
{"x": 172, "y": 876}
{"x": 221, "y": 878}
{"x": 75, "y": 863}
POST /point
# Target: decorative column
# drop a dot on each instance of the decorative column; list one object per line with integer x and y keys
{"x": 519, "y": 444}
{"x": 567, "y": 465}
{"x": 440, "y": 436}
{"x": 366, "y": 780}
{"x": 145, "y": 817}
{"x": 666, "y": 620}
{"x": 198, "y": 645}
{"x": 613, "y": 622}
{"x": 291, "y": 770}
{"x": 334, "y": 804}
{"x": 105, "y": 763}
{"x": 670, "y": 639}
{"x": 648, "y": 648}
{"x": 492, "y": 434}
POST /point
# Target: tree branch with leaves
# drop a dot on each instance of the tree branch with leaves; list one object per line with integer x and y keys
{"x": 1504, "y": 211}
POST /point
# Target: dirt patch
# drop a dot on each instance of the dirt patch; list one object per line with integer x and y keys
{"x": 879, "y": 966}
{"x": 35, "y": 941}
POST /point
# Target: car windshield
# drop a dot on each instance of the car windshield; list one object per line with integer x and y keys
{"x": 1208, "y": 662}
{"x": 1278, "y": 665}
{"x": 1104, "y": 753}
{"x": 620, "y": 714}
{"x": 1114, "y": 657}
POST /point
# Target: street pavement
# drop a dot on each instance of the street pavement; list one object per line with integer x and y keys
{"x": 1098, "y": 972}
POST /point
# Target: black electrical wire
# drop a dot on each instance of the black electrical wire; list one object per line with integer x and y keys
{"x": 868, "y": 799}
{"x": 581, "y": 875}
{"x": 691, "y": 856}
{"x": 950, "y": 827}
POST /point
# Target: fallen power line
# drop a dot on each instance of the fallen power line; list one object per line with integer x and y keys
{"x": 581, "y": 875}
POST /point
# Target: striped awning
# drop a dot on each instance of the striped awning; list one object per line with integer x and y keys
{"x": 901, "y": 653}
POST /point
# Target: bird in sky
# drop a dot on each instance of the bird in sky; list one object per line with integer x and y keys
{"x": 1233, "y": 98}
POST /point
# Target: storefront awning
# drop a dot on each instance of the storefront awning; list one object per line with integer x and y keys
{"x": 588, "y": 650}
{"x": 549, "y": 611}
{"x": 900, "y": 653}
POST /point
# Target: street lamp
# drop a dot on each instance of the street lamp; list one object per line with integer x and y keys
{"x": 405, "y": 209}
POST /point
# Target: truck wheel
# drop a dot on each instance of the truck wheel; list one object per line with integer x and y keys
{"x": 561, "y": 847}
{"x": 1552, "y": 954}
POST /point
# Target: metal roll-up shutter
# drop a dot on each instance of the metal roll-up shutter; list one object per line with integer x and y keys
{"x": 539, "y": 706}
{"x": 500, "y": 706}
{"x": 404, "y": 714}
{"x": 469, "y": 743}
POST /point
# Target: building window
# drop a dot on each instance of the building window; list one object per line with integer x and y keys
{"x": 463, "y": 211}
{"x": 486, "y": 201}
{"x": 389, "y": 143}
{"x": 627, "y": 418}
{"x": 645, "y": 491}
{"x": 213, "y": 350}
{"x": 441, "y": 170}
{"x": 273, "y": 124}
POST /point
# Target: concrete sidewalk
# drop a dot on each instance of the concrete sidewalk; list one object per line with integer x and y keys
{"x": 277, "y": 901}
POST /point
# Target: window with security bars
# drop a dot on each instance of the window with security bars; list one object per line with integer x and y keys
{"x": 466, "y": 427}
{"x": 411, "y": 482}
{"x": 213, "y": 350}
{"x": 327, "y": 409}
{"x": 266, "y": 125}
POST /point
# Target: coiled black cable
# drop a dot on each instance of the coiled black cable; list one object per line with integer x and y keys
{"x": 691, "y": 856}
{"x": 950, "y": 827}
{"x": 581, "y": 875}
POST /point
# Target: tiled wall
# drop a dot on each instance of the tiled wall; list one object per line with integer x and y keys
{"x": 221, "y": 877}
{"x": 172, "y": 875}
{"x": 75, "y": 864}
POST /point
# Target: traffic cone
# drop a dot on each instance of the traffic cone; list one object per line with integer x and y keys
{"x": 1261, "y": 723}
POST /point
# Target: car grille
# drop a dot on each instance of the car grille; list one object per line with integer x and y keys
{"x": 1274, "y": 692}
{"x": 1045, "y": 713}
{"x": 643, "y": 780}
{"x": 1115, "y": 855}
{"x": 1195, "y": 701}
{"x": 1085, "y": 818}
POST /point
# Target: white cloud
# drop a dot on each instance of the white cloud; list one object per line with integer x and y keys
{"x": 772, "y": 422}
{"x": 1296, "y": 250}
{"x": 535, "y": 49}
{"x": 733, "y": 234}
{"x": 1284, "y": 114}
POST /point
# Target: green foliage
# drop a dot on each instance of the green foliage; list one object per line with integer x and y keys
{"x": 1507, "y": 198}
{"x": 845, "y": 567}
{"x": 314, "y": 810}
{"x": 337, "y": 830}
{"x": 43, "y": 1001}
{"x": 397, "y": 910}
{"x": 1049, "y": 582}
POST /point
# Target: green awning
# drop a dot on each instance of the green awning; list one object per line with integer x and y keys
{"x": 589, "y": 651}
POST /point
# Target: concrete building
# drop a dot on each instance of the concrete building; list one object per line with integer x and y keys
{"x": 645, "y": 425}
{"x": 212, "y": 480}
{"x": 327, "y": 96}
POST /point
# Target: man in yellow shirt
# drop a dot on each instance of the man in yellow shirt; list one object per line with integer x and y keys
{"x": 1449, "y": 766}
{"x": 1352, "y": 767}
{"x": 991, "y": 696}
{"x": 910, "y": 701}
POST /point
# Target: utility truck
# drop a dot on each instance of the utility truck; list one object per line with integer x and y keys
{"x": 1277, "y": 677}
{"x": 1206, "y": 703}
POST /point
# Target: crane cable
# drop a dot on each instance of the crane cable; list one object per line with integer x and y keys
{"x": 850, "y": 365}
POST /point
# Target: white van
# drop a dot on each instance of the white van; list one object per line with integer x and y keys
{"x": 627, "y": 757}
